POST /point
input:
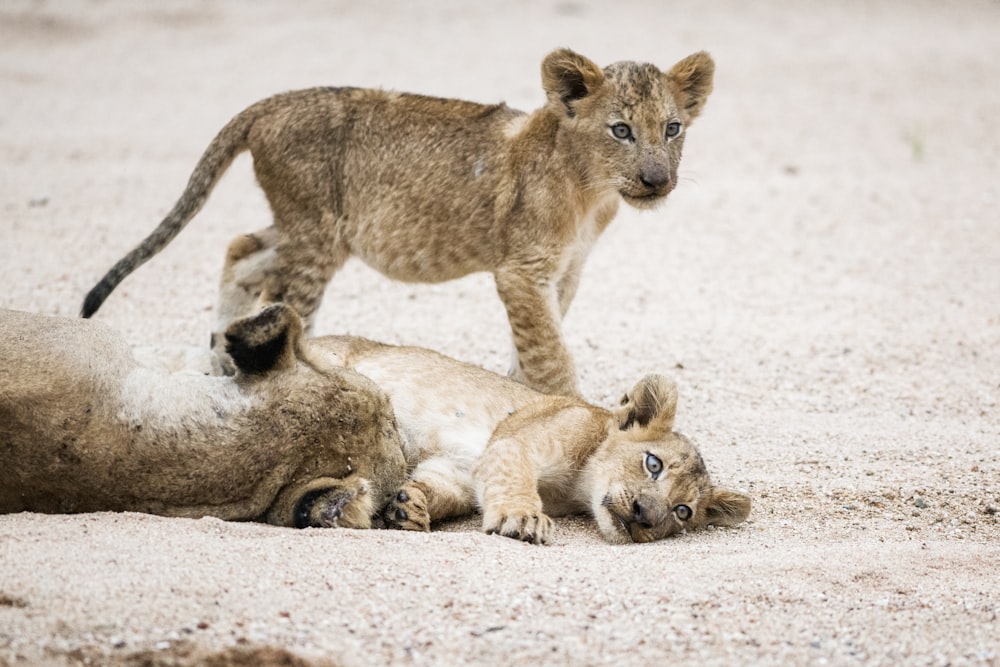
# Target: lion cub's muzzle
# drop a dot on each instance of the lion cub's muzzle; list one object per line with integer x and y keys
{"x": 652, "y": 185}
{"x": 645, "y": 523}
{"x": 656, "y": 178}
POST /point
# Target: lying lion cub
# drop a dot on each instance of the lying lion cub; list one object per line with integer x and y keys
{"x": 84, "y": 427}
{"x": 475, "y": 439}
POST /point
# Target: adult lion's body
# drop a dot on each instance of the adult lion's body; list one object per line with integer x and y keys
{"x": 84, "y": 427}
{"x": 476, "y": 440}
{"x": 427, "y": 189}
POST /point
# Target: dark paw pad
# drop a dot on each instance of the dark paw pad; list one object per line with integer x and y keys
{"x": 408, "y": 511}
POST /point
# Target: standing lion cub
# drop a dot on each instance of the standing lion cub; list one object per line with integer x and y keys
{"x": 428, "y": 190}
{"x": 477, "y": 441}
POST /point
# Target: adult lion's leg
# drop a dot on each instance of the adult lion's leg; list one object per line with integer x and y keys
{"x": 533, "y": 310}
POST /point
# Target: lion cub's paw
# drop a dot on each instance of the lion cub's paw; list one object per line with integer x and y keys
{"x": 408, "y": 510}
{"x": 527, "y": 527}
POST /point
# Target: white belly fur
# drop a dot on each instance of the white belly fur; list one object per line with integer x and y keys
{"x": 449, "y": 420}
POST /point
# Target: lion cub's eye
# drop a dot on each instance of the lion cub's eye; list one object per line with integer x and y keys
{"x": 673, "y": 129}
{"x": 621, "y": 131}
{"x": 654, "y": 465}
{"x": 683, "y": 512}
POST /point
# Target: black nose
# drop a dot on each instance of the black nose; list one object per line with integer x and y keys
{"x": 639, "y": 514}
{"x": 655, "y": 177}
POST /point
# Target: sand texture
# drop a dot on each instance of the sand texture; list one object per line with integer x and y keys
{"x": 824, "y": 285}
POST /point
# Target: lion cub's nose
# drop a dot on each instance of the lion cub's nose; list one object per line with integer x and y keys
{"x": 655, "y": 177}
{"x": 640, "y": 515}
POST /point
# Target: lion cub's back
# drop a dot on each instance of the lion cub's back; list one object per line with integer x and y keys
{"x": 406, "y": 182}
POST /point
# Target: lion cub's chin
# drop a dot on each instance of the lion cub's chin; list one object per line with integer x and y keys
{"x": 645, "y": 202}
{"x": 616, "y": 514}
{"x": 614, "y": 529}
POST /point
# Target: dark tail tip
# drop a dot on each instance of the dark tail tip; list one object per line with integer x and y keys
{"x": 94, "y": 299}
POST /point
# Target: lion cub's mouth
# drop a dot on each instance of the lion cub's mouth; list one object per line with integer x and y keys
{"x": 644, "y": 199}
{"x": 648, "y": 195}
{"x": 624, "y": 524}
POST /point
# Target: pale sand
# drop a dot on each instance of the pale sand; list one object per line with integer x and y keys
{"x": 824, "y": 285}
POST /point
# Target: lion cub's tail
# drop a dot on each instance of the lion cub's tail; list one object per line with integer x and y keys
{"x": 227, "y": 144}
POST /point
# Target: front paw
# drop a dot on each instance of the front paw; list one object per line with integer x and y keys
{"x": 408, "y": 510}
{"x": 525, "y": 526}
{"x": 339, "y": 506}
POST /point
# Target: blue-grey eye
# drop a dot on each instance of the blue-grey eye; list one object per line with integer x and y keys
{"x": 683, "y": 512}
{"x": 654, "y": 465}
{"x": 673, "y": 129}
{"x": 621, "y": 131}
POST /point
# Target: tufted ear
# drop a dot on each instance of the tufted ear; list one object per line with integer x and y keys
{"x": 691, "y": 80}
{"x": 651, "y": 403}
{"x": 265, "y": 341}
{"x": 727, "y": 508}
{"x": 567, "y": 77}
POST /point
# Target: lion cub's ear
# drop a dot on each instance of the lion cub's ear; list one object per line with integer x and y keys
{"x": 567, "y": 77}
{"x": 651, "y": 403}
{"x": 265, "y": 341}
{"x": 692, "y": 81}
{"x": 727, "y": 508}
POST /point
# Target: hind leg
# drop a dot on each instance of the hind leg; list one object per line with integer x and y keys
{"x": 303, "y": 264}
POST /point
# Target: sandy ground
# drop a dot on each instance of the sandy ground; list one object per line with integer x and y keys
{"x": 824, "y": 285}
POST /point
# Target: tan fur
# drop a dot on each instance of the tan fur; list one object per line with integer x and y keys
{"x": 428, "y": 190}
{"x": 476, "y": 440}
{"x": 84, "y": 427}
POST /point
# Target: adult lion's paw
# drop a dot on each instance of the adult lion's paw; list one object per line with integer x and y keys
{"x": 408, "y": 510}
{"x": 347, "y": 504}
{"x": 527, "y": 527}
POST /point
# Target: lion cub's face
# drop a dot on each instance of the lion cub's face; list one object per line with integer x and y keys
{"x": 630, "y": 118}
{"x": 648, "y": 490}
{"x": 647, "y": 482}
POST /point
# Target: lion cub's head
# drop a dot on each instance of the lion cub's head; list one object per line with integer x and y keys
{"x": 647, "y": 482}
{"x": 626, "y": 123}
